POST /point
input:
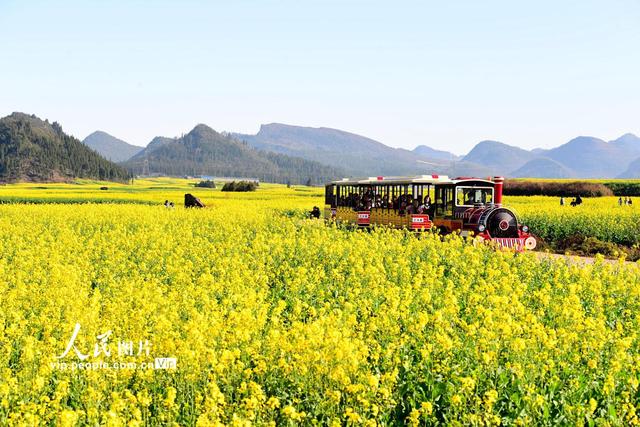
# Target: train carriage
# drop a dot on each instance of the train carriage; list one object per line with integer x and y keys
{"x": 429, "y": 202}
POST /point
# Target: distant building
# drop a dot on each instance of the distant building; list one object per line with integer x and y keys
{"x": 231, "y": 178}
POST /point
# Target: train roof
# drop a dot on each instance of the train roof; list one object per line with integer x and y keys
{"x": 417, "y": 179}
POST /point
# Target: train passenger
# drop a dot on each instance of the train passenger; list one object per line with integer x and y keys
{"x": 410, "y": 210}
{"x": 403, "y": 205}
{"x": 422, "y": 207}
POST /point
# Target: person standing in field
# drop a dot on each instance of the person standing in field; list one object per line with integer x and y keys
{"x": 562, "y": 201}
{"x": 619, "y": 201}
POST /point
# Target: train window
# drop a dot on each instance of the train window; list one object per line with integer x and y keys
{"x": 469, "y": 196}
{"x": 330, "y": 195}
{"x": 444, "y": 201}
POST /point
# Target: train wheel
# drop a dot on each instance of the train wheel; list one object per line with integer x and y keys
{"x": 530, "y": 243}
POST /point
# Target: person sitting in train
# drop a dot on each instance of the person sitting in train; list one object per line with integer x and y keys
{"x": 403, "y": 206}
{"x": 366, "y": 203}
{"x": 409, "y": 209}
{"x": 414, "y": 206}
{"x": 468, "y": 198}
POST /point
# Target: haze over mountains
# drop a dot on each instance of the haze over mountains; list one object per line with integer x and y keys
{"x": 203, "y": 151}
{"x": 110, "y": 147}
{"x": 356, "y": 155}
{"x": 33, "y": 149}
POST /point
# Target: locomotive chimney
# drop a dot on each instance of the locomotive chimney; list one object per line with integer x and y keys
{"x": 498, "y": 180}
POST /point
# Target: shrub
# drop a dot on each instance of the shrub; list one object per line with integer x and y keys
{"x": 206, "y": 184}
{"x": 240, "y": 186}
{"x": 557, "y": 189}
{"x": 624, "y": 188}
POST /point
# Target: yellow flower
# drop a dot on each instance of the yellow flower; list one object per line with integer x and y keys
{"x": 426, "y": 408}
{"x": 414, "y": 417}
{"x": 268, "y": 312}
{"x": 273, "y": 402}
{"x": 490, "y": 397}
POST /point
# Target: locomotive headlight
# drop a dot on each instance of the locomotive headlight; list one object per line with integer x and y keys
{"x": 481, "y": 228}
{"x": 525, "y": 229}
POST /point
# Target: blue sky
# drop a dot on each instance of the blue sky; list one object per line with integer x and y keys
{"x": 444, "y": 74}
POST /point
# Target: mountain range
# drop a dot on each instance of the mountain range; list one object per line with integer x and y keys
{"x": 203, "y": 151}
{"x": 356, "y": 155}
{"x": 582, "y": 157}
{"x": 33, "y": 149}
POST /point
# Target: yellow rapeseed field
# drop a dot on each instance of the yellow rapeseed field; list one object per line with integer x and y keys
{"x": 601, "y": 217}
{"x": 272, "y": 318}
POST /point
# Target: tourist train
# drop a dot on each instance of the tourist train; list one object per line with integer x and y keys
{"x": 470, "y": 206}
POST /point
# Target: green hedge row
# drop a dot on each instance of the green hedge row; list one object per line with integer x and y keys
{"x": 556, "y": 188}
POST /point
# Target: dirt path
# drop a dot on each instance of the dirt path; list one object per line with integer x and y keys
{"x": 575, "y": 259}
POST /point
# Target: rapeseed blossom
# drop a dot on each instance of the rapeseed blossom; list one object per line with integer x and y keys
{"x": 275, "y": 319}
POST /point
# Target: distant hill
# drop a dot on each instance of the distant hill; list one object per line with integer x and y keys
{"x": 35, "y": 150}
{"x": 282, "y": 153}
{"x": 432, "y": 153}
{"x": 539, "y": 151}
{"x": 628, "y": 142}
{"x": 499, "y": 157}
{"x": 203, "y": 151}
{"x": 358, "y": 155}
{"x": 159, "y": 141}
{"x": 111, "y": 147}
{"x": 582, "y": 157}
{"x": 633, "y": 170}
{"x": 542, "y": 168}
{"x": 592, "y": 157}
